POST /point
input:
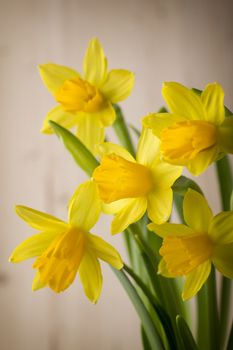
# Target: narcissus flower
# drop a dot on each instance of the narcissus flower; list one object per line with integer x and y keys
{"x": 196, "y": 132}
{"x": 188, "y": 250}
{"x": 86, "y": 101}
{"x": 65, "y": 249}
{"x": 133, "y": 186}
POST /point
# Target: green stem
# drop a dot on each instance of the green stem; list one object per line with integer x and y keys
{"x": 148, "y": 325}
{"x": 203, "y": 329}
{"x": 213, "y": 311}
{"x": 122, "y": 132}
{"x": 225, "y": 185}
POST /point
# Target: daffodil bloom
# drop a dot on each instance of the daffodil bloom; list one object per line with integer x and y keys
{"x": 86, "y": 101}
{"x": 196, "y": 132}
{"x": 133, "y": 186}
{"x": 188, "y": 250}
{"x": 65, "y": 249}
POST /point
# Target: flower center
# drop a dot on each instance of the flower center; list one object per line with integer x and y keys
{"x": 78, "y": 95}
{"x": 58, "y": 265}
{"x": 183, "y": 141}
{"x": 119, "y": 178}
{"x": 184, "y": 254}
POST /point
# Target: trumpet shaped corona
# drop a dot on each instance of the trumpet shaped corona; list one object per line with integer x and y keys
{"x": 196, "y": 132}
{"x": 188, "y": 250}
{"x": 65, "y": 249}
{"x": 86, "y": 101}
{"x": 130, "y": 187}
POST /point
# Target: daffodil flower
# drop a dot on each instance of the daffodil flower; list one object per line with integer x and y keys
{"x": 86, "y": 101}
{"x": 196, "y": 132}
{"x": 65, "y": 249}
{"x": 133, "y": 186}
{"x": 188, "y": 250}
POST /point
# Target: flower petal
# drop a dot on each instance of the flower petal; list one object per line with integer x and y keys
{"x": 160, "y": 205}
{"x": 54, "y": 75}
{"x": 107, "y": 148}
{"x": 169, "y": 229}
{"x": 129, "y": 214}
{"x": 159, "y": 121}
{"x": 162, "y": 269}
{"x": 201, "y": 162}
{"x": 165, "y": 174}
{"x": 39, "y": 220}
{"x": 197, "y": 213}
{"x": 223, "y": 259}
{"x": 212, "y": 98}
{"x": 148, "y": 147}
{"x": 225, "y": 135}
{"x": 91, "y": 132}
{"x": 118, "y": 85}
{"x": 32, "y": 246}
{"x": 195, "y": 280}
{"x": 105, "y": 251}
{"x": 116, "y": 206}
{"x": 221, "y": 228}
{"x": 37, "y": 283}
{"x": 56, "y": 114}
{"x": 95, "y": 63}
{"x": 91, "y": 276}
{"x": 107, "y": 115}
{"x": 183, "y": 101}
{"x": 85, "y": 206}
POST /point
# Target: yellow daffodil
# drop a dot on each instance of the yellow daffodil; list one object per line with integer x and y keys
{"x": 188, "y": 250}
{"x": 196, "y": 132}
{"x": 65, "y": 249}
{"x": 133, "y": 186}
{"x": 86, "y": 101}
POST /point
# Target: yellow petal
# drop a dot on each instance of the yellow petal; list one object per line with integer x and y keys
{"x": 221, "y": 228}
{"x": 131, "y": 213}
{"x": 95, "y": 63}
{"x": 105, "y": 251}
{"x": 91, "y": 132}
{"x": 165, "y": 174}
{"x": 118, "y": 85}
{"x": 116, "y": 206}
{"x": 197, "y": 213}
{"x": 85, "y": 206}
{"x": 183, "y": 101}
{"x": 169, "y": 229}
{"x": 37, "y": 283}
{"x": 91, "y": 276}
{"x": 56, "y": 114}
{"x": 225, "y": 134}
{"x": 223, "y": 259}
{"x": 159, "y": 121}
{"x": 54, "y": 75}
{"x": 32, "y": 246}
{"x": 106, "y": 115}
{"x": 107, "y": 148}
{"x": 195, "y": 280}
{"x": 39, "y": 220}
{"x": 162, "y": 269}
{"x": 148, "y": 147}
{"x": 160, "y": 205}
{"x": 204, "y": 159}
{"x": 62, "y": 277}
{"x": 212, "y": 98}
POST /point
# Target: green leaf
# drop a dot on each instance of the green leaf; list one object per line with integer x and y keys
{"x": 182, "y": 184}
{"x": 185, "y": 334}
{"x": 230, "y": 340}
{"x": 145, "y": 342}
{"x": 82, "y": 156}
{"x": 150, "y": 330}
{"x": 122, "y": 131}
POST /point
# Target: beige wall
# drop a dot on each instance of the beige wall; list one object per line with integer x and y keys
{"x": 187, "y": 41}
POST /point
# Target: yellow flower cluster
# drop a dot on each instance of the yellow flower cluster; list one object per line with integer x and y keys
{"x": 195, "y": 133}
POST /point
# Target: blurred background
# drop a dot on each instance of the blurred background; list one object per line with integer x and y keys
{"x": 186, "y": 41}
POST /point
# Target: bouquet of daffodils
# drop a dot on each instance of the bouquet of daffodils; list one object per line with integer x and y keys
{"x": 168, "y": 263}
